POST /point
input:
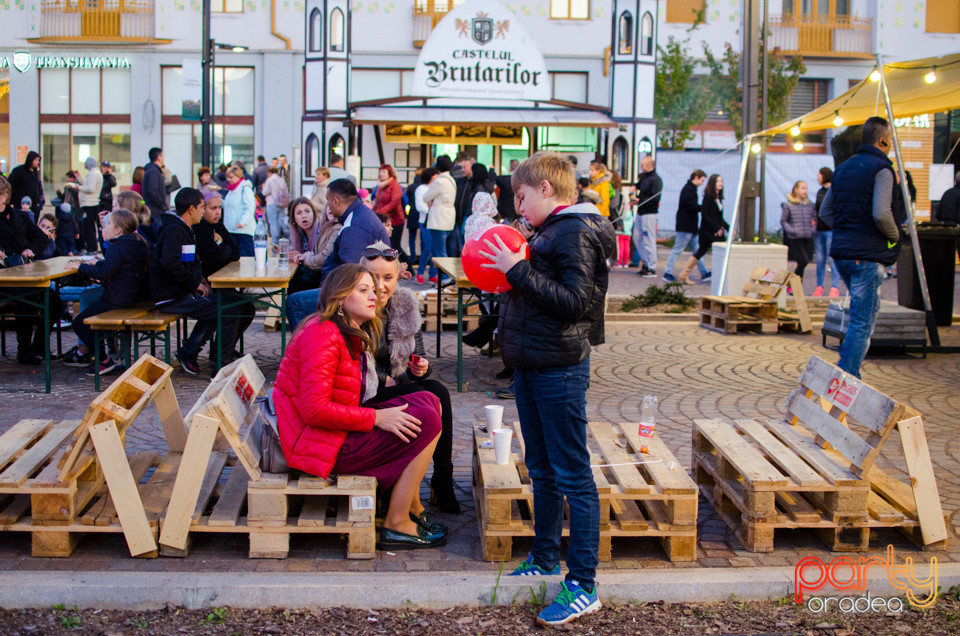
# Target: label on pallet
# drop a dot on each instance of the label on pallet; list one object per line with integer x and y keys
{"x": 362, "y": 503}
{"x": 843, "y": 391}
{"x": 244, "y": 390}
{"x": 769, "y": 275}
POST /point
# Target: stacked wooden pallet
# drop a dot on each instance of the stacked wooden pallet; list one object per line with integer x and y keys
{"x": 210, "y": 495}
{"x": 816, "y": 468}
{"x": 448, "y": 312}
{"x": 66, "y": 480}
{"x": 641, "y": 494}
{"x": 758, "y": 308}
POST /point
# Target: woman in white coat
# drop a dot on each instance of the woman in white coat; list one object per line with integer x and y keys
{"x": 440, "y": 196}
{"x": 240, "y": 210}
{"x": 89, "y": 195}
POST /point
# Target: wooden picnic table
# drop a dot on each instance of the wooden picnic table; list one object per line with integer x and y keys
{"x": 244, "y": 275}
{"x": 18, "y": 284}
{"x": 453, "y": 268}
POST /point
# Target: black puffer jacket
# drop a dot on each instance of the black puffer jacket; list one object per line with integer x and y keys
{"x": 18, "y": 232}
{"x": 555, "y": 310}
{"x": 123, "y": 271}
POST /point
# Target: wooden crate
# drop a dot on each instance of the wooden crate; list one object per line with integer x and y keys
{"x": 450, "y": 323}
{"x": 734, "y": 314}
{"x": 816, "y": 468}
{"x": 210, "y": 495}
{"x": 60, "y": 482}
{"x": 766, "y": 286}
{"x": 647, "y": 500}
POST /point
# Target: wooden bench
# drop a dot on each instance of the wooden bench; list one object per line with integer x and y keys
{"x": 816, "y": 468}
{"x": 61, "y": 481}
{"x": 152, "y": 324}
{"x": 210, "y": 494}
{"x": 757, "y": 309}
{"x": 652, "y": 499}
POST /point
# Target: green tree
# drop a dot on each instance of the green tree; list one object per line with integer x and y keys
{"x": 680, "y": 101}
{"x": 726, "y": 88}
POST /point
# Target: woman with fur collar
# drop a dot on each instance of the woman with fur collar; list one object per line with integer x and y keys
{"x": 396, "y": 371}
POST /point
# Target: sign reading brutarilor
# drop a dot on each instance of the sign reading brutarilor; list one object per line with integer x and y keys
{"x": 481, "y": 50}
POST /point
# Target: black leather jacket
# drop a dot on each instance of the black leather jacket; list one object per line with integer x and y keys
{"x": 555, "y": 310}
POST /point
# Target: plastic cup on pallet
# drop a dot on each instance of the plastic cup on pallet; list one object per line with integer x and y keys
{"x": 502, "y": 438}
{"x": 494, "y": 414}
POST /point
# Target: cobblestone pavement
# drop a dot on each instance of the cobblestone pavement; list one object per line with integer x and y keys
{"x": 695, "y": 372}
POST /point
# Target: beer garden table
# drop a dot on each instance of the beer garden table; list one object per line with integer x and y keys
{"x": 22, "y": 282}
{"x": 244, "y": 275}
{"x": 453, "y": 267}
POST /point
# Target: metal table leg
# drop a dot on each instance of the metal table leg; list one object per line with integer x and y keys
{"x": 459, "y": 340}
{"x": 166, "y": 346}
{"x": 283, "y": 321}
{"x": 96, "y": 360}
{"x": 219, "y": 329}
{"x": 439, "y": 311}
{"x": 46, "y": 334}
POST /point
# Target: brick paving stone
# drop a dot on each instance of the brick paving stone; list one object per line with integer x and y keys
{"x": 697, "y": 374}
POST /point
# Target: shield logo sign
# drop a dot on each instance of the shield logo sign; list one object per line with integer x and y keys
{"x": 482, "y": 30}
{"x": 21, "y": 61}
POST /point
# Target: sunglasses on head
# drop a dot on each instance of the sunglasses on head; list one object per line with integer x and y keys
{"x": 388, "y": 254}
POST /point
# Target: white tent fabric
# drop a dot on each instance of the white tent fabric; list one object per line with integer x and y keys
{"x": 783, "y": 170}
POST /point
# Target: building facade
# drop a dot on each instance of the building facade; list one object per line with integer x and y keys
{"x": 401, "y": 84}
{"x": 104, "y": 80}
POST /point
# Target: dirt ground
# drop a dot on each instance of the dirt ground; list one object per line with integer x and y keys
{"x": 732, "y": 617}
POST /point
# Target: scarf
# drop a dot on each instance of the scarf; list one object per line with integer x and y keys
{"x": 233, "y": 187}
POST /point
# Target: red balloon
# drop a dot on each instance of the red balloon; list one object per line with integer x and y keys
{"x": 487, "y": 279}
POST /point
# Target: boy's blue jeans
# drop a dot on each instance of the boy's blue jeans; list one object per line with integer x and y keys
{"x": 863, "y": 279}
{"x": 552, "y": 404}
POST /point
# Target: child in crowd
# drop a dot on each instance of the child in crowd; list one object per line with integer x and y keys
{"x": 130, "y": 200}
{"x": 48, "y": 225}
{"x": 26, "y": 203}
{"x": 68, "y": 230}
{"x": 123, "y": 277}
{"x": 312, "y": 234}
{"x": 482, "y": 217}
{"x": 177, "y": 285}
{"x": 548, "y": 321}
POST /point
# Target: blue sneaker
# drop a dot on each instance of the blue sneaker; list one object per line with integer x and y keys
{"x": 529, "y": 568}
{"x": 571, "y": 603}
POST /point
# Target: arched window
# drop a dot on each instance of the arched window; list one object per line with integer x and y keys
{"x": 336, "y": 31}
{"x": 312, "y": 155}
{"x": 646, "y": 34}
{"x": 625, "y": 40}
{"x": 620, "y": 151}
{"x": 316, "y": 30}
{"x": 337, "y": 146}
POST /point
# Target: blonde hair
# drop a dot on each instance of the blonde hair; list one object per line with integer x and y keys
{"x": 235, "y": 170}
{"x": 793, "y": 198}
{"x": 123, "y": 219}
{"x": 134, "y": 202}
{"x": 322, "y": 170}
{"x": 552, "y": 167}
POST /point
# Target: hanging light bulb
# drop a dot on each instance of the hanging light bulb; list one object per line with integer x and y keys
{"x": 795, "y": 131}
{"x": 931, "y": 77}
{"x": 755, "y": 147}
{"x": 798, "y": 146}
{"x": 875, "y": 76}
{"x": 838, "y": 120}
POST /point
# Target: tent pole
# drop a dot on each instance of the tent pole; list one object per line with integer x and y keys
{"x": 736, "y": 211}
{"x": 905, "y": 191}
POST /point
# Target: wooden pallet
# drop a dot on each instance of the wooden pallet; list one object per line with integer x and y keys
{"x": 450, "y": 322}
{"x": 765, "y": 286}
{"x": 735, "y": 314}
{"x": 816, "y": 468}
{"x": 210, "y": 495}
{"x": 61, "y": 480}
{"x": 651, "y": 500}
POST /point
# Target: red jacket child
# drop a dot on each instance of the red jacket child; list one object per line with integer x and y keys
{"x": 317, "y": 395}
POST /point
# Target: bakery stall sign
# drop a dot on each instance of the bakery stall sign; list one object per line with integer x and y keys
{"x": 481, "y": 50}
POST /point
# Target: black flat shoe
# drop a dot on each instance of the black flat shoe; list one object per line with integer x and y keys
{"x": 392, "y": 540}
{"x": 29, "y": 358}
{"x": 425, "y": 523}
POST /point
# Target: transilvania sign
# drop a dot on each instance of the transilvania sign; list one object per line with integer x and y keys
{"x": 481, "y": 50}
{"x": 22, "y": 61}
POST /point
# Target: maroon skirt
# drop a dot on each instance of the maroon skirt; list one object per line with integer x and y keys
{"x": 382, "y": 454}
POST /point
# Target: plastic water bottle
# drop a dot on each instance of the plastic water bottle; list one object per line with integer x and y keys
{"x": 260, "y": 245}
{"x": 648, "y": 416}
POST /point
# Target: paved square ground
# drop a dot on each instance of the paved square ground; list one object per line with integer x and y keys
{"x": 696, "y": 373}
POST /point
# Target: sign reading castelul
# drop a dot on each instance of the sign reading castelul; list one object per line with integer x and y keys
{"x": 481, "y": 50}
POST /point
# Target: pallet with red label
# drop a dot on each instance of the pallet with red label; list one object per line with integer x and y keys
{"x": 816, "y": 468}
{"x": 641, "y": 494}
{"x": 214, "y": 494}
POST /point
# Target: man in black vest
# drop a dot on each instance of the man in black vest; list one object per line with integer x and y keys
{"x": 865, "y": 234}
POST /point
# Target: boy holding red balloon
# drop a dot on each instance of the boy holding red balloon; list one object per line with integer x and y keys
{"x": 549, "y": 319}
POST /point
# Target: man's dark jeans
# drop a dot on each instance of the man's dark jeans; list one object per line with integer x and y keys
{"x": 204, "y": 311}
{"x": 552, "y": 405}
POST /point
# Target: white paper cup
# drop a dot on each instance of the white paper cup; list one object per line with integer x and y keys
{"x": 501, "y": 444}
{"x": 494, "y": 416}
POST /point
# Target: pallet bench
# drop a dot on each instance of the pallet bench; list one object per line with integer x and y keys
{"x": 816, "y": 468}
{"x": 211, "y": 494}
{"x": 656, "y": 499}
{"x": 73, "y": 478}
{"x": 448, "y": 317}
{"x": 758, "y": 308}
